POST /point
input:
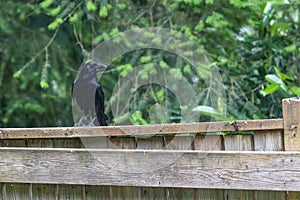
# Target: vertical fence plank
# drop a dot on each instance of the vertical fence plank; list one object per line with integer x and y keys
{"x": 208, "y": 143}
{"x": 123, "y": 192}
{"x": 291, "y": 123}
{"x": 291, "y": 127}
{"x": 17, "y": 191}
{"x": 126, "y": 193}
{"x": 150, "y": 143}
{"x": 149, "y": 193}
{"x": 179, "y": 143}
{"x": 155, "y": 142}
{"x": 178, "y": 194}
{"x": 269, "y": 141}
{"x": 43, "y": 191}
{"x": 1, "y": 190}
{"x": 66, "y": 192}
{"x": 97, "y": 192}
{"x": 70, "y": 192}
{"x": 238, "y": 143}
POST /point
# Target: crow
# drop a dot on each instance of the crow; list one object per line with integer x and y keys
{"x": 88, "y": 94}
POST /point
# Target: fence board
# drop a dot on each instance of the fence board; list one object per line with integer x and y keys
{"x": 44, "y": 191}
{"x": 203, "y": 127}
{"x": 190, "y": 169}
{"x": 290, "y": 111}
{"x": 269, "y": 141}
{"x": 238, "y": 143}
{"x": 17, "y": 191}
{"x": 97, "y": 192}
{"x": 179, "y": 194}
{"x": 209, "y": 143}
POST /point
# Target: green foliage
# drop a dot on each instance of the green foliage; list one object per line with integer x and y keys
{"x": 255, "y": 45}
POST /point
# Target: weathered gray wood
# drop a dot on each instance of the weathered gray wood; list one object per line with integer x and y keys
{"x": 203, "y": 127}
{"x": 97, "y": 192}
{"x": 44, "y": 191}
{"x": 238, "y": 143}
{"x": 150, "y": 143}
{"x": 180, "y": 193}
{"x": 209, "y": 194}
{"x": 150, "y": 193}
{"x": 269, "y": 141}
{"x": 179, "y": 142}
{"x": 293, "y": 195}
{"x": 123, "y": 192}
{"x": 67, "y": 143}
{"x": 71, "y": 192}
{"x": 122, "y": 143}
{"x": 290, "y": 111}
{"x": 208, "y": 143}
{"x": 239, "y": 194}
{"x": 39, "y": 143}
{"x": 270, "y": 195}
{"x": 126, "y": 193}
{"x": 146, "y": 144}
{"x": 17, "y": 191}
{"x": 13, "y": 143}
{"x": 192, "y": 169}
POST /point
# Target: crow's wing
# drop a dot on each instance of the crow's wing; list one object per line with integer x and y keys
{"x": 99, "y": 106}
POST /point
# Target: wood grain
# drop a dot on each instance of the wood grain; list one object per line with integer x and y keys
{"x": 291, "y": 116}
{"x": 141, "y": 130}
{"x": 278, "y": 171}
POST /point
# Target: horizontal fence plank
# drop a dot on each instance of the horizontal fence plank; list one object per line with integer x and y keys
{"x": 140, "y": 130}
{"x": 152, "y": 168}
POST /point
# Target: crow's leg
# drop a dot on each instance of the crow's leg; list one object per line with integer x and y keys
{"x": 80, "y": 122}
{"x": 92, "y": 122}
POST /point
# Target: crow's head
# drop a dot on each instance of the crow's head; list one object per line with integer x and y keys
{"x": 90, "y": 69}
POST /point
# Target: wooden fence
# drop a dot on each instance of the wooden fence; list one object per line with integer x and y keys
{"x": 252, "y": 159}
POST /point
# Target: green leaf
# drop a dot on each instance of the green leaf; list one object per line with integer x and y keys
{"x": 73, "y": 18}
{"x": 46, "y": 3}
{"x": 44, "y": 84}
{"x": 295, "y": 90}
{"x": 199, "y": 26}
{"x": 90, "y": 6}
{"x": 209, "y": 1}
{"x": 271, "y": 78}
{"x": 290, "y": 48}
{"x": 55, "y": 24}
{"x": 55, "y": 11}
{"x": 163, "y": 64}
{"x": 17, "y": 74}
{"x": 217, "y": 20}
{"x": 282, "y": 75}
{"x": 207, "y": 110}
{"x": 145, "y": 59}
{"x": 103, "y": 11}
{"x": 270, "y": 89}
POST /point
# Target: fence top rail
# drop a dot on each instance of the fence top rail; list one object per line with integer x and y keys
{"x": 139, "y": 130}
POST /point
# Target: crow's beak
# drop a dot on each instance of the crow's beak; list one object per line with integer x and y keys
{"x": 100, "y": 67}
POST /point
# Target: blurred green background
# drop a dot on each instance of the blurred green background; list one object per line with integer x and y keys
{"x": 255, "y": 44}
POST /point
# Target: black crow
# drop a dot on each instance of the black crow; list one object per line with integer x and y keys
{"x": 88, "y": 94}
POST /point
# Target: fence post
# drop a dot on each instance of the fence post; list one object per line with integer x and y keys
{"x": 291, "y": 123}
